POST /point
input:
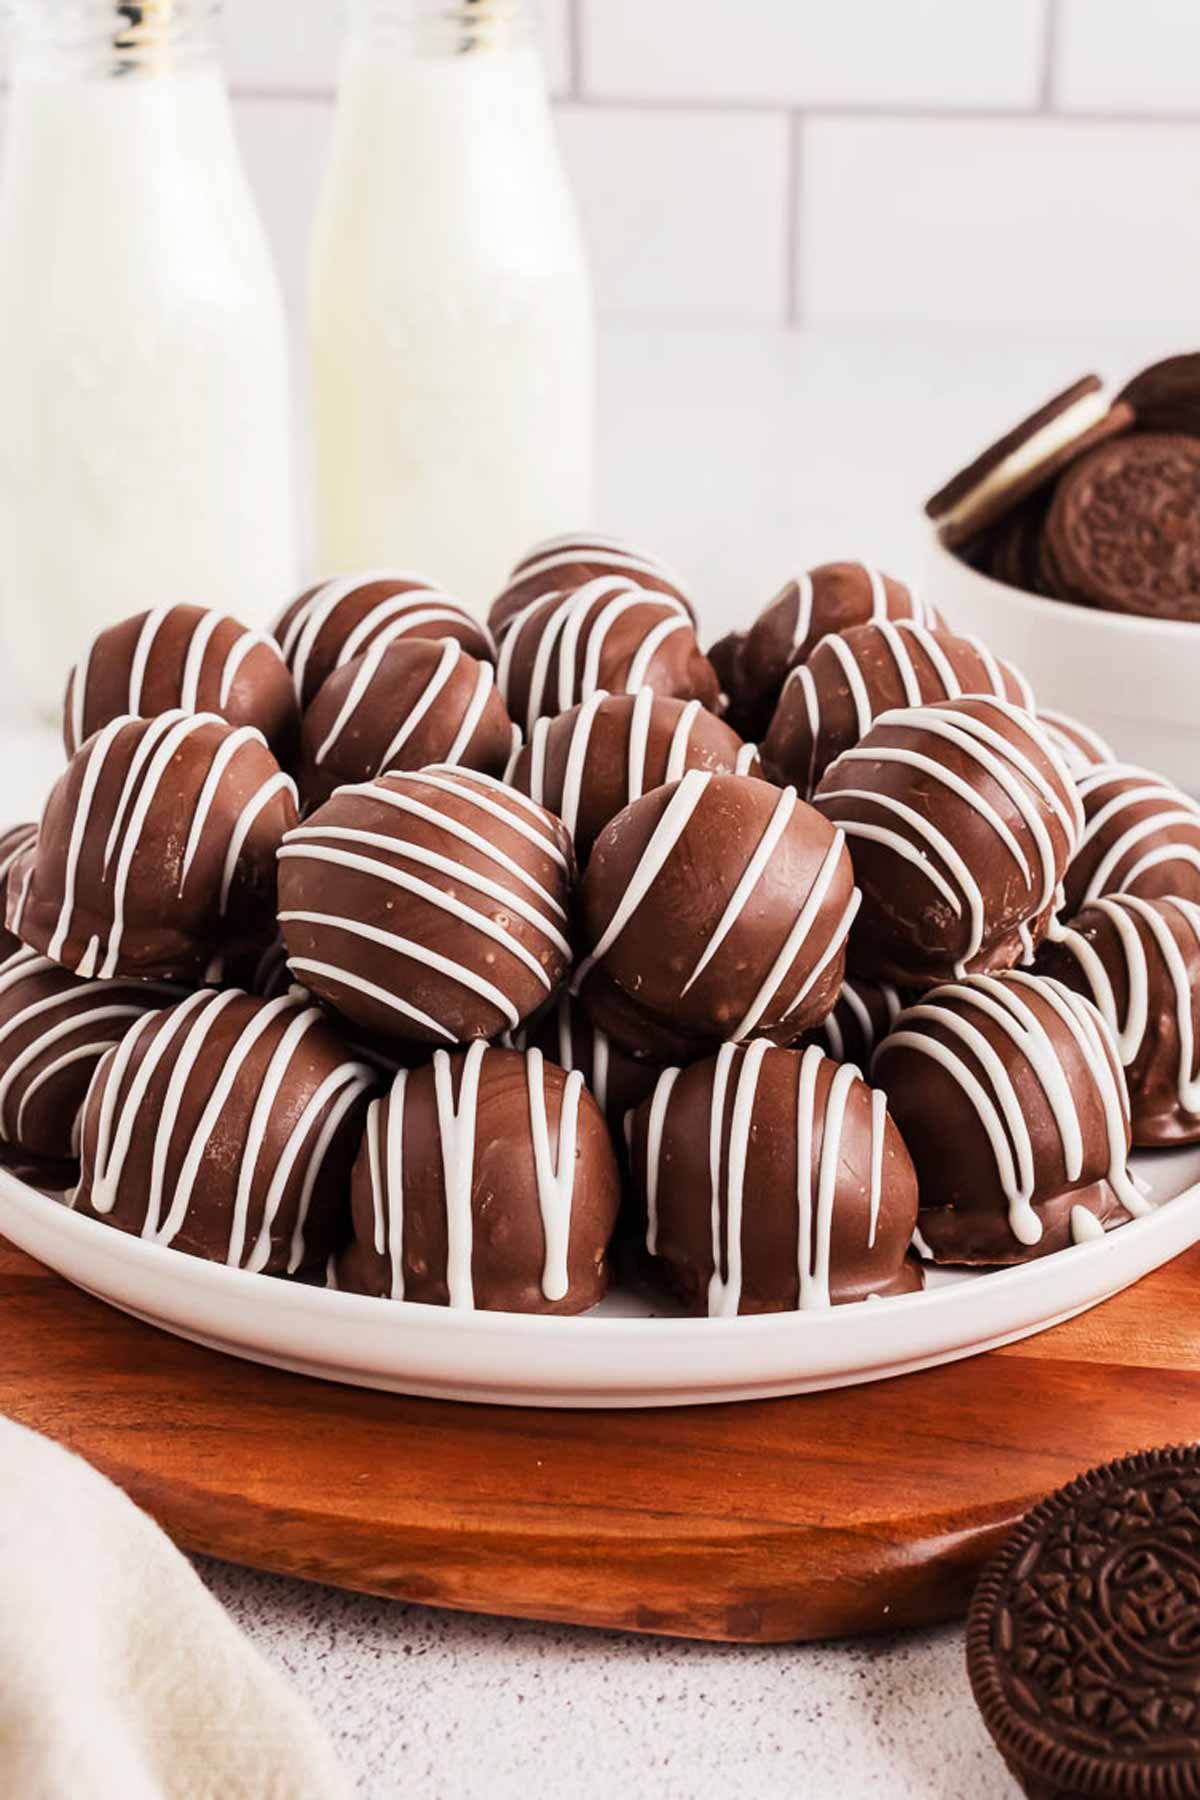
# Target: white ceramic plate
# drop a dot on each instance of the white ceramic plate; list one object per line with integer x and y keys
{"x": 1133, "y": 680}
{"x": 620, "y": 1355}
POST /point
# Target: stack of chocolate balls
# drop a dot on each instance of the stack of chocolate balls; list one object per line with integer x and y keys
{"x": 432, "y": 959}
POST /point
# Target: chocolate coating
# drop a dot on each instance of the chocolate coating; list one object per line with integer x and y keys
{"x": 12, "y": 842}
{"x": 815, "y": 1197}
{"x": 832, "y": 597}
{"x": 429, "y": 908}
{"x": 1139, "y": 961}
{"x": 588, "y": 763}
{"x": 1009, "y": 1094}
{"x": 485, "y": 1180}
{"x": 566, "y": 1036}
{"x": 1081, "y": 1643}
{"x": 155, "y": 855}
{"x": 1141, "y": 836}
{"x": 184, "y": 658}
{"x": 330, "y": 624}
{"x": 226, "y": 1127}
{"x": 562, "y": 564}
{"x": 1123, "y": 531}
{"x": 715, "y": 908}
{"x": 831, "y": 701}
{"x": 1080, "y": 747}
{"x": 403, "y": 705}
{"x": 54, "y": 1029}
{"x": 608, "y": 635}
{"x": 864, "y": 1013}
{"x": 961, "y": 819}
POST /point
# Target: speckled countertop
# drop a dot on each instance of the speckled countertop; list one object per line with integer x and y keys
{"x": 738, "y": 456}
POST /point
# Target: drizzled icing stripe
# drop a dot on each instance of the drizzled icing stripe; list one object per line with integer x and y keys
{"x": 310, "y": 616}
{"x": 181, "y": 1037}
{"x": 143, "y": 786}
{"x": 676, "y": 817}
{"x": 457, "y": 1136}
{"x": 850, "y": 1000}
{"x": 1125, "y": 912}
{"x": 567, "y": 551}
{"x": 202, "y": 631}
{"x": 1014, "y": 771}
{"x": 565, "y": 634}
{"x": 733, "y": 1090}
{"x": 451, "y": 656}
{"x": 985, "y": 1076}
{"x": 1080, "y": 747}
{"x": 1171, "y": 808}
{"x": 641, "y": 717}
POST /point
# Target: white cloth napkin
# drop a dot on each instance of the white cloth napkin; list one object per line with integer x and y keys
{"x": 120, "y": 1675}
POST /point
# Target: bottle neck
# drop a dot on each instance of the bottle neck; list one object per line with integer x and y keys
{"x": 443, "y": 27}
{"x": 121, "y": 38}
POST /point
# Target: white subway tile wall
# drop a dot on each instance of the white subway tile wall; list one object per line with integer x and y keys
{"x": 788, "y": 160}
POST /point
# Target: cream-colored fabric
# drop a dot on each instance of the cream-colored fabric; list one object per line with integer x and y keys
{"x": 120, "y": 1675}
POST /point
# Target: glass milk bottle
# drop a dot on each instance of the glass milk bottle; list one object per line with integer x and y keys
{"x": 146, "y": 449}
{"x": 452, "y": 327}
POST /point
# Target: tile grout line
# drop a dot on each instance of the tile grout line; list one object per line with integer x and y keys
{"x": 793, "y": 296}
{"x": 900, "y": 113}
{"x": 1047, "y": 86}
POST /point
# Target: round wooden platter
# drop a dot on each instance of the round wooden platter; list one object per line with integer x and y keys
{"x": 832, "y": 1513}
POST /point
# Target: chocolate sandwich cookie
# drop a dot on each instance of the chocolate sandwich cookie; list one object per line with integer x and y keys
{"x": 1166, "y": 396}
{"x": 1123, "y": 532}
{"x": 1083, "y": 1646}
{"x": 1018, "y": 464}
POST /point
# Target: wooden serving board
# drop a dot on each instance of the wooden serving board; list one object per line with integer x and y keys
{"x": 832, "y": 1513}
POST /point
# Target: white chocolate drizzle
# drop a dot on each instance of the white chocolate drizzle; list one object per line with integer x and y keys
{"x": 145, "y": 786}
{"x": 903, "y": 637}
{"x": 451, "y": 656}
{"x": 555, "y": 1166}
{"x": 181, "y": 1035}
{"x": 1010, "y": 765}
{"x": 563, "y": 633}
{"x": 393, "y": 859}
{"x": 851, "y": 1001}
{"x": 1125, "y": 913}
{"x": 985, "y": 1074}
{"x": 418, "y": 605}
{"x": 1080, "y": 747}
{"x": 1120, "y": 839}
{"x": 677, "y": 815}
{"x": 733, "y": 1129}
{"x": 196, "y": 659}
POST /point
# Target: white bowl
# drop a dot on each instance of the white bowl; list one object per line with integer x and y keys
{"x": 620, "y": 1355}
{"x": 1135, "y": 681}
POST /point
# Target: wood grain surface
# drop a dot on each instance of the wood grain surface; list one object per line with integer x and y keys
{"x": 781, "y": 1519}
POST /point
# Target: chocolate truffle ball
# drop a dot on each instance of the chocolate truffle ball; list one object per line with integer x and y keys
{"x": 331, "y": 624}
{"x": 862, "y": 1017}
{"x": 1080, "y": 747}
{"x": 1009, "y": 1094}
{"x": 562, "y": 564}
{"x": 187, "y": 659}
{"x": 588, "y": 763}
{"x": 226, "y": 1127}
{"x": 1139, "y": 961}
{"x": 431, "y": 908}
{"x": 485, "y": 1180}
{"x": 713, "y": 909}
{"x": 12, "y": 842}
{"x": 566, "y": 1036}
{"x": 155, "y": 855}
{"x": 833, "y": 597}
{"x": 1141, "y": 836}
{"x": 403, "y": 706}
{"x": 961, "y": 820}
{"x": 54, "y": 1029}
{"x": 831, "y": 701}
{"x": 773, "y": 1181}
{"x": 608, "y": 635}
